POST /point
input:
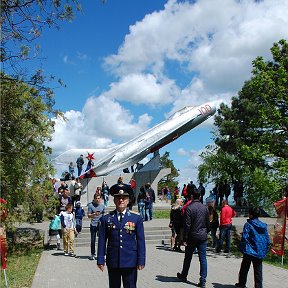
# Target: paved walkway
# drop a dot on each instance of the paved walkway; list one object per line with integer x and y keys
{"x": 57, "y": 271}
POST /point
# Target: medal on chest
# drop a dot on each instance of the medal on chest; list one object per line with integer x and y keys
{"x": 129, "y": 227}
{"x": 110, "y": 225}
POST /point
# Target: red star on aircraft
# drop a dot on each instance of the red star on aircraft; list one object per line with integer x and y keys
{"x": 90, "y": 156}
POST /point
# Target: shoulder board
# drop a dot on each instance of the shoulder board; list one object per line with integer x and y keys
{"x": 134, "y": 212}
{"x": 111, "y": 212}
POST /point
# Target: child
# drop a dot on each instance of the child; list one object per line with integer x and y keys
{"x": 68, "y": 227}
{"x": 254, "y": 245}
{"x": 79, "y": 214}
{"x": 53, "y": 230}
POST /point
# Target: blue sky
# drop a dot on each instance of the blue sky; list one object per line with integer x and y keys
{"x": 129, "y": 64}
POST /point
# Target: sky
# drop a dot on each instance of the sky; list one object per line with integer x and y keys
{"x": 128, "y": 65}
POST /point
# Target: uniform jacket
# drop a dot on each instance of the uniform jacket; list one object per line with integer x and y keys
{"x": 255, "y": 239}
{"x": 196, "y": 222}
{"x": 126, "y": 241}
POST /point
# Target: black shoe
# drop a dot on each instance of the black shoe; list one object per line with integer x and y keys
{"x": 181, "y": 278}
{"x": 240, "y": 285}
{"x": 202, "y": 285}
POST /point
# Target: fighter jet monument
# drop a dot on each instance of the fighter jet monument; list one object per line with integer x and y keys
{"x": 136, "y": 149}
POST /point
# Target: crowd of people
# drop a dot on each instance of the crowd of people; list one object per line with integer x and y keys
{"x": 145, "y": 200}
{"x": 224, "y": 224}
{"x": 191, "y": 222}
{"x": 67, "y": 224}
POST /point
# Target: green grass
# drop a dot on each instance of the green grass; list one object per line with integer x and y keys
{"x": 276, "y": 260}
{"x": 21, "y": 268}
{"x": 161, "y": 214}
{"x": 270, "y": 258}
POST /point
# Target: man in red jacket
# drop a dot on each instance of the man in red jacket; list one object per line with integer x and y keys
{"x": 226, "y": 215}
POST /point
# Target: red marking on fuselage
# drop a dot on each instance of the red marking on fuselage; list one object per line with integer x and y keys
{"x": 205, "y": 109}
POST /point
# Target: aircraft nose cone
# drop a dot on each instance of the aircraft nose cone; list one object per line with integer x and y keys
{"x": 208, "y": 108}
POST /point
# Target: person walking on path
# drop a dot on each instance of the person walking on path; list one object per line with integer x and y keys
{"x": 141, "y": 202}
{"x": 95, "y": 212}
{"x": 79, "y": 214}
{"x": 214, "y": 224}
{"x": 69, "y": 230}
{"x": 105, "y": 193}
{"x": 196, "y": 228}
{"x": 226, "y": 215}
{"x": 151, "y": 193}
{"x": 176, "y": 225}
{"x": 126, "y": 249}
{"x": 254, "y": 245}
{"x": 54, "y": 225}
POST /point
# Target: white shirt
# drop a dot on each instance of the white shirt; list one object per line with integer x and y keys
{"x": 118, "y": 214}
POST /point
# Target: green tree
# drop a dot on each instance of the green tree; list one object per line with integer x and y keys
{"x": 252, "y": 133}
{"x": 169, "y": 180}
{"x": 255, "y": 127}
{"x": 218, "y": 165}
{"x": 25, "y": 168}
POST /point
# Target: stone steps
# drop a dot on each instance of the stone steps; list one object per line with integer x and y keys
{"x": 153, "y": 235}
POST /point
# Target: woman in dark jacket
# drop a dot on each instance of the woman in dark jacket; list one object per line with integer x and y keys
{"x": 214, "y": 224}
{"x": 176, "y": 224}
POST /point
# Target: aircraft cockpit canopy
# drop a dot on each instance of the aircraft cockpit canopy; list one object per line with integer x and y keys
{"x": 180, "y": 112}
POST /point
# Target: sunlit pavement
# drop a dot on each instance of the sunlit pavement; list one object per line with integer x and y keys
{"x": 58, "y": 271}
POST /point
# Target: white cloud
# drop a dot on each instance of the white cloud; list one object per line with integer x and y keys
{"x": 101, "y": 121}
{"x": 216, "y": 39}
{"x": 143, "y": 89}
{"x": 210, "y": 44}
{"x": 189, "y": 172}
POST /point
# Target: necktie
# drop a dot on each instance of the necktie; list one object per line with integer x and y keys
{"x": 121, "y": 217}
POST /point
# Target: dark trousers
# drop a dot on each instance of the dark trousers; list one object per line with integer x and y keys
{"x": 244, "y": 269}
{"x": 128, "y": 275}
{"x": 151, "y": 211}
{"x": 225, "y": 236}
{"x": 93, "y": 232}
{"x": 214, "y": 237}
{"x": 79, "y": 224}
{"x": 189, "y": 250}
{"x": 79, "y": 170}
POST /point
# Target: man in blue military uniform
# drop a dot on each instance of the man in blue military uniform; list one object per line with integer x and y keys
{"x": 126, "y": 251}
